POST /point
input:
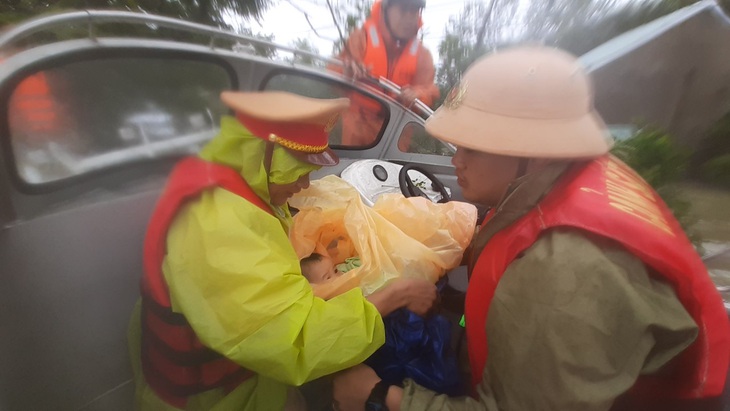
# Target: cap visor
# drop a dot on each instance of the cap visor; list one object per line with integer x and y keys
{"x": 284, "y": 107}
{"x": 326, "y": 158}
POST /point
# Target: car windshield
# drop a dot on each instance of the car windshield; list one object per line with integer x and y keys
{"x": 361, "y": 126}
{"x": 365, "y": 122}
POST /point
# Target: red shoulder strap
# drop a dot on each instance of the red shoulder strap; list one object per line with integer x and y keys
{"x": 188, "y": 179}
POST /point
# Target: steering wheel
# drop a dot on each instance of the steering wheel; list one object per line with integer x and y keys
{"x": 409, "y": 189}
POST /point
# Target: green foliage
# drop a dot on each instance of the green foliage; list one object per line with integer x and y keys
{"x": 424, "y": 143}
{"x": 710, "y": 163}
{"x": 259, "y": 49}
{"x": 717, "y": 170}
{"x": 455, "y": 58}
{"x": 589, "y": 34}
{"x": 480, "y": 27}
{"x": 653, "y": 155}
{"x": 232, "y": 21}
{"x": 305, "y": 45}
{"x": 577, "y": 26}
{"x": 212, "y": 12}
{"x": 349, "y": 15}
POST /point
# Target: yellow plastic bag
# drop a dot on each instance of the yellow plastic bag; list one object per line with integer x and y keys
{"x": 398, "y": 236}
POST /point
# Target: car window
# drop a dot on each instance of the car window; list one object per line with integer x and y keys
{"x": 360, "y": 126}
{"x": 415, "y": 139}
{"x": 84, "y": 116}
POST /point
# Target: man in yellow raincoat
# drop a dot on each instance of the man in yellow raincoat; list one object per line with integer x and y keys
{"x": 227, "y": 321}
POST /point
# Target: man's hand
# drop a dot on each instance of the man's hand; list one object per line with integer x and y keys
{"x": 354, "y": 69}
{"x": 407, "y": 96}
{"x": 415, "y": 294}
{"x": 352, "y": 388}
{"x": 421, "y": 295}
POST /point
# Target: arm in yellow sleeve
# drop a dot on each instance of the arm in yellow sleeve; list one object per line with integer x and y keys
{"x": 233, "y": 273}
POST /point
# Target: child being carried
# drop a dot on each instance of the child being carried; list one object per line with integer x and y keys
{"x": 342, "y": 243}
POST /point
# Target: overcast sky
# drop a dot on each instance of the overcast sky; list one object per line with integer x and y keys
{"x": 287, "y": 22}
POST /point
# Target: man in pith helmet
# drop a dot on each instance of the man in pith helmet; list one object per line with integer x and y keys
{"x": 584, "y": 292}
{"x": 226, "y": 320}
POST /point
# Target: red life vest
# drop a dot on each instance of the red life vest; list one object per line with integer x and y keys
{"x": 606, "y": 197}
{"x": 175, "y": 363}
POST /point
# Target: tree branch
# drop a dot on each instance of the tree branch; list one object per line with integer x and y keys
{"x": 306, "y": 17}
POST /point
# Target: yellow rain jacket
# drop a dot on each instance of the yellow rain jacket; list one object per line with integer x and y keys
{"x": 234, "y": 275}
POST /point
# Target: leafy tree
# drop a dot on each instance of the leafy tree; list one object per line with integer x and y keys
{"x": 711, "y": 162}
{"x": 546, "y": 20}
{"x": 256, "y": 48}
{"x": 574, "y": 26}
{"x": 307, "y": 46}
{"x": 653, "y": 155}
{"x": 479, "y": 28}
{"x": 349, "y": 15}
{"x": 212, "y": 12}
{"x": 717, "y": 170}
{"x": 482, "y": 27}
{"x": 227, "y": 14}
{"x": 588, "y": 34}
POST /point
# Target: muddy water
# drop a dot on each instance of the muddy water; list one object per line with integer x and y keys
{"x": 711, "y": 208}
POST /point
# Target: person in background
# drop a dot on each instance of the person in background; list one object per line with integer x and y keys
{"x": 35, "y": 115}
{"x": 584, "y": 292}
{"x": 387, "y": 45}
{"x": 226, "y": 320}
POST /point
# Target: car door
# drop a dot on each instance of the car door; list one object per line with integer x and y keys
{"x": 89, "y": 130}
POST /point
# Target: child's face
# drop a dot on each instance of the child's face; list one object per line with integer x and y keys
{"x": 321, "y": 271}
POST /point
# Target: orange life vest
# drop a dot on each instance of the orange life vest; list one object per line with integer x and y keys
{"x": 174, "y": 361}
{"x": 606, "y": 197}
{"x": 376, "y": 57}
{"x": 33, "y": 109}
{"x": 362, "y": 122}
